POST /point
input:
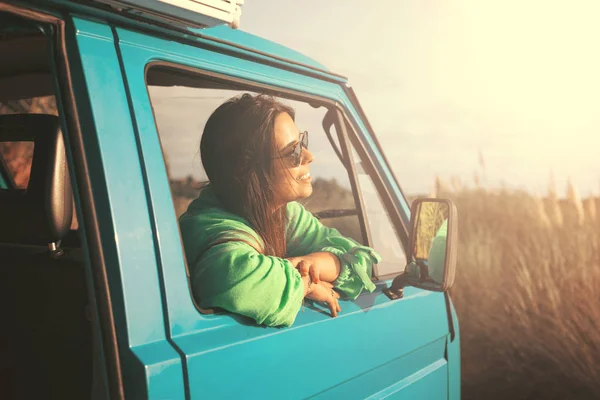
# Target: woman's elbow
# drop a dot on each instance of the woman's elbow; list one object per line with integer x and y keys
{"x": 282, "y": 312}
{"x": 279, "y": 319}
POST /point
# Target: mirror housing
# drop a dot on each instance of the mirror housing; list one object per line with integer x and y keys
{"x": 433, "y": 244}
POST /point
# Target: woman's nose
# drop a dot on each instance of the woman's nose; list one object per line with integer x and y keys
{"x": 307, "y": 156}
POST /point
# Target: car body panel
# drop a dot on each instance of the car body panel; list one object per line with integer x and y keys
{"x": 127, "y": 234}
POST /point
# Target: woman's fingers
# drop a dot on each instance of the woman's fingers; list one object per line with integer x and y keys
{"x": 333, "y": 306}
{"x": 303, "y": 268}
{"x": 314, "y": 273}
{"x": 295, "y": 261}
{"x": 328, "y": 285}
{"x": 324, "y": 293}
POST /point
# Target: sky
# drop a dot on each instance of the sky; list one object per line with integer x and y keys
{"x": 508, "y": 90}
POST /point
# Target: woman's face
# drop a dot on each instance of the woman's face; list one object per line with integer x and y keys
{"x": 289, "y": 182}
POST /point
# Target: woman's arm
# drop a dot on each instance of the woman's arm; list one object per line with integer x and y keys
{"x": 305, "y": 234}
{"x": 235, "y": 277}
{"x": 348, "y": 263}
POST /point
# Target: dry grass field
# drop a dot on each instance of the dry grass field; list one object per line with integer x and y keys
{"x": 527, "y": 293}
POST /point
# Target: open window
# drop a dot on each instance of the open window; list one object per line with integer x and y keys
{"x": 25, "y": 88}
{"x": 182, "y": 105}
{"x": 344, "y": 196}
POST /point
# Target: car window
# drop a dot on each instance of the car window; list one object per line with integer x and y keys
{"x": 181, "y": 113}
{"x": 384, "y": 237}
{"x": 16, "y": 157}
{"x": 181, "y": 108}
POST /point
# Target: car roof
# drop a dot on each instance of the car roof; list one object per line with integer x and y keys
{"x": 257, "y": 43}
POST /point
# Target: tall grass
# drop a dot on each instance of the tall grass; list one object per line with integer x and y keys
{"x": 527, "y": 293}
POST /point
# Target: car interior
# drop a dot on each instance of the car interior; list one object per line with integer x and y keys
{"x": 47, "y": 342}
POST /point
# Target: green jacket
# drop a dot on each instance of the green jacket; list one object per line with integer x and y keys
{"x": 227, "y": 270}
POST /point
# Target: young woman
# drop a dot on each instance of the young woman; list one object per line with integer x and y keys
{"x": 251, "y": 248}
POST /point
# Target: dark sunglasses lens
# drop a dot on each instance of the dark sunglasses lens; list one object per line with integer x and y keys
{"x": 305, "y": 140}
{"x": 297, "y": 154}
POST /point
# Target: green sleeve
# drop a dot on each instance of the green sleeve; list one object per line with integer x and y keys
{"x": 235, "y": 277}
{"x": 305, "y": 234}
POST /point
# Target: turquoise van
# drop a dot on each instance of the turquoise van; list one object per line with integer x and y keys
{"x": 102, "y": 104}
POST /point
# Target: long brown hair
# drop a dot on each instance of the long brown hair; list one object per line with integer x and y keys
{"x": 237, "y": 151}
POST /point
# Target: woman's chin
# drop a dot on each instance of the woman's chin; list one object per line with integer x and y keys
{"x": 298, "y": 191}
{"x": 305, "y": 190}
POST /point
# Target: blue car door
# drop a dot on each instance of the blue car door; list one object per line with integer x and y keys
{"x": 376, "y": 347}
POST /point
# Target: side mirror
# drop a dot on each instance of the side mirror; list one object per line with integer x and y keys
{"x": 432, "y": 252}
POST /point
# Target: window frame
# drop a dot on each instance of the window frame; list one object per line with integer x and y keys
{"x": 275, "y": 91}
{"x": 348, "y": 161}
{"x": 399, "y": 225}
{"x": 225, "y": 82}
{"x": 344, "y": 130}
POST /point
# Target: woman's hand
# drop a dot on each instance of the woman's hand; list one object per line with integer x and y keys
{"x": 323, "y": 292}
{"x": 307, "y": 267}
{"x": 321, "y": 266}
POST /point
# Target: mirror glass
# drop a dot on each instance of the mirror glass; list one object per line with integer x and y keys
{"x": 429, "y": 243}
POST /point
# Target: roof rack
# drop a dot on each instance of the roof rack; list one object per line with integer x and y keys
{"x": 183, "y": 13}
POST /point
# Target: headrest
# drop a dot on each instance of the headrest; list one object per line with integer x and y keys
{"x": 42, "y": 213}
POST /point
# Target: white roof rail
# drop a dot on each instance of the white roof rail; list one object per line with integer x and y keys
{"x": 191, "y": 13}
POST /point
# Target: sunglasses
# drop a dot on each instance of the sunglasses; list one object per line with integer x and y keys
{"x": 296, "y": 154}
